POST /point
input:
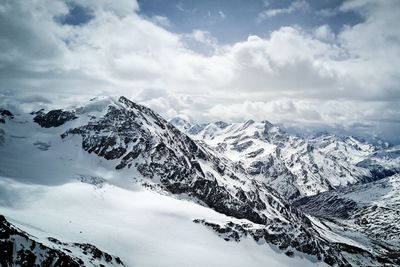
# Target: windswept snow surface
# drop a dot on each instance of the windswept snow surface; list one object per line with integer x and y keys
{"x": 142, "y": 227}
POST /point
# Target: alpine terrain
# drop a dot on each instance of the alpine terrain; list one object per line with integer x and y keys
{"x": 112, "y": 183}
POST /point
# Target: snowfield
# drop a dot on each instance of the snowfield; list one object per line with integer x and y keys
{"x": 141, "y": 227}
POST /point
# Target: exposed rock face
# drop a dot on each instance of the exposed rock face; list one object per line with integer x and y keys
{"x": 20, "y": 249}
{"x": 331, "y": 254}
{"x": 5, "y": 114}
{"x": 53, "y": 118}
{"x": 236, "y": 231}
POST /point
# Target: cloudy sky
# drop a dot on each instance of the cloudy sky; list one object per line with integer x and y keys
{"x": 324, "y": 64}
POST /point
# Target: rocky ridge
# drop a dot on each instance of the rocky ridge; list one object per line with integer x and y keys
{"x": 297, "y": 166}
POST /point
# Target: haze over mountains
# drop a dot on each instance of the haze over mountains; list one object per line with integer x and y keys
{"x": 112, "y": 183}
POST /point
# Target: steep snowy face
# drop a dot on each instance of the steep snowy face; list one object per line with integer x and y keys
{"x": 371, "y": 209}
{"x": 136, "y": 138}
{"x": 293, "y": 165}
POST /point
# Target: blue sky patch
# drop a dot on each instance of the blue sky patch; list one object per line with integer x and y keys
{"x": 78, "y": 15}
{"x": 234, "y": 20}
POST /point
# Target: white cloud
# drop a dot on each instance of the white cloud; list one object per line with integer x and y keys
{"x": 180, "y": 6}
{"x": 204, "y": 38}
{"x": 298, "y": 5}
{"x": 161, "y": 21}
{"x": 324, "y": 33}
{"x": 291, "y": 76}
{"x": 327, "y": 12}
{"x": 120, "y": 8}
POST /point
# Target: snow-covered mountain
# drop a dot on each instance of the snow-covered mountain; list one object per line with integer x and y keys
{"x": 83, "y": 175}
{"x": 296, "y": 166}
{"x": 371, "y": 210}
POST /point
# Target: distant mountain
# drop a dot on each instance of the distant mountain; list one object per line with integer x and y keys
{"x": 297, "y": 166}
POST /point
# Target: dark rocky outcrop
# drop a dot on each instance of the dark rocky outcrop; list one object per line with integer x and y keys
{"x": 21, "y": 249}
{"x": 302, "y": 242}
{"x": 53, "y": 118}
{"x": 18, "y": 250}
{"x": 5, "y": 114}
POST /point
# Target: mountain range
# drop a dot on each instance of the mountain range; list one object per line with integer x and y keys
{"x": 112, "y": 183}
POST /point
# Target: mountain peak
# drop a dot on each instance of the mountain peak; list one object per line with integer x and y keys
{"x": 127, "y": 102}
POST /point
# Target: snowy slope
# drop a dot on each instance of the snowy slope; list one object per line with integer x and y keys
{"x": 296, "y": 166}
{"x": 21, "y": 249}
{"x": 142, "y": 227}
{"x": 95, "y": 160}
